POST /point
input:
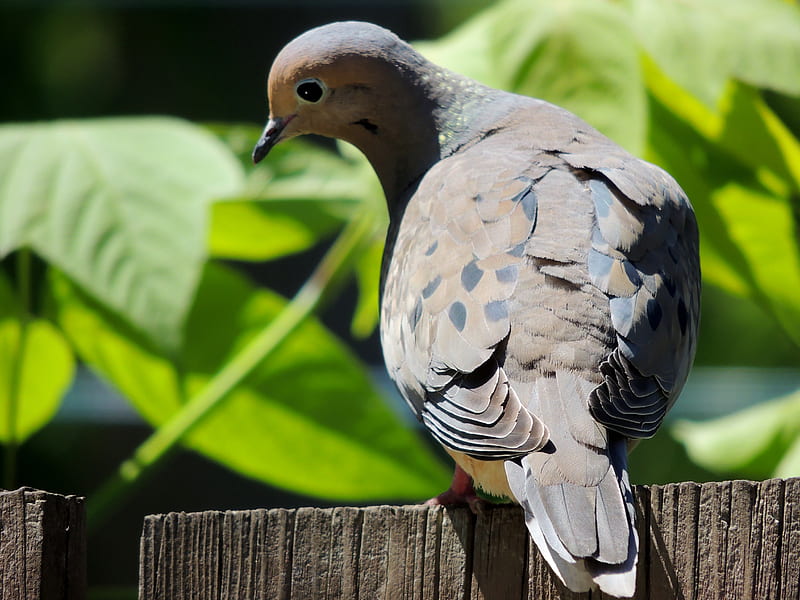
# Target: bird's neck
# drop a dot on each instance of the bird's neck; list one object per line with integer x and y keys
{"x": 442, "y": 113}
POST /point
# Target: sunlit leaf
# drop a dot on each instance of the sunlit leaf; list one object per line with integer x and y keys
{"x": 309, "y": 419}
{"x": 292, "y": 200}
{"x": 688, "y": 156}
{"x": 300, "y": 170}
{"x": 751, "y": 443}
{"x": 749, "y": 244}
{"x": 763, "y": 227}
{"x": 118, "y": 204}
{"x": 255, "y": 230}
{"x": 742, "y": 125}
{"x": 368, "y": 269}
{"x": 36, "y": 368}
{"x": 704, "y": 43}
{"x": 579, "y": 54}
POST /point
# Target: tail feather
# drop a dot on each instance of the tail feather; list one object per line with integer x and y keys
{"x": 620, "y": 580}
{"x": 577, "y": 500}
{"x": 611, "y": 509}
{"x": 611, "y": 566}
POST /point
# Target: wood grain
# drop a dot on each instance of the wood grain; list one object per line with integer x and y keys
{"x": 42, "y": 546}
{"x": 725, "y": 540}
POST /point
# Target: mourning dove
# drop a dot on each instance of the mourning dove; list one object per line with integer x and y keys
{"x": 540, "y": 285}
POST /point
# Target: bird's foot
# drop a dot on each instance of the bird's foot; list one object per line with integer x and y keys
{"x": 462, "y": 491}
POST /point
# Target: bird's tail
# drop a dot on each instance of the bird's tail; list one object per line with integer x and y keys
{"x": 585, "y": 530}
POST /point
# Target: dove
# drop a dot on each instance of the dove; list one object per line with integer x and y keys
{"x": 540, "y": 286}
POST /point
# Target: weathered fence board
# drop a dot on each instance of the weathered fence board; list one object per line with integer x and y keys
{"x": 42, "y": 546}
{"x": 729, "y": 540}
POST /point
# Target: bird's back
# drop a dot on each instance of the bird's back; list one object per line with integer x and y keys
{"x": 540, "y": 305}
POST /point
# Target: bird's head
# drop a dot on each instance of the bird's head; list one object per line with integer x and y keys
{"x": 353, "y": 81}
{"x": 360, "y": 83}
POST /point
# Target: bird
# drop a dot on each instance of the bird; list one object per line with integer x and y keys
{"x": 540, "y": 286}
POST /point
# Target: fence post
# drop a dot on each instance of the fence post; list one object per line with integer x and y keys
{"x": 732, "y": 540}
{"x": 42, "y": 546}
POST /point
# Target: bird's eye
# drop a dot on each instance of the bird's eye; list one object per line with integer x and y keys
{"x": 310, "y": 90}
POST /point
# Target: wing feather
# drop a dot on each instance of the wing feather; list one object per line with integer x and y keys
{"x": 644, "y": 258}
{"x": 445, "y": 314}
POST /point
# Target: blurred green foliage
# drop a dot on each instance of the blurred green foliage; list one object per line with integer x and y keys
{"x": 114, "y": 236}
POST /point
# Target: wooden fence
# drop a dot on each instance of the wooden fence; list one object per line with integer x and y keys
{"x": 727, "y": 541}
{"x": 735, "y": 540}
{"x": 42, "y": 546}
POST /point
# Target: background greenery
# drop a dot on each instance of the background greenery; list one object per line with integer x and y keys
{"x": 139, "y": 248}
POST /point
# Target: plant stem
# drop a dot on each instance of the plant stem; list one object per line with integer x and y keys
{"x": 24, "y": 291}
{"x": 333, "y": 266}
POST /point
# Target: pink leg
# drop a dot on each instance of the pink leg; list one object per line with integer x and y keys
{"x": 461, "y": 492}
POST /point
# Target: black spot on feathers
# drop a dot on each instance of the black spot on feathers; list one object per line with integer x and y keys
{"x": 368, "y": 125}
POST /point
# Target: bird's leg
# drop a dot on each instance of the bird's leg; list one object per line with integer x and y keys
{"x": 461, "y": 491}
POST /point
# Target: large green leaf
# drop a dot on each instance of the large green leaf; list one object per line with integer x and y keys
{"x": 749, "y": 244}
{"x": 368, "y": 269}
{"x": 704, "y": 43}
{"x": 736, "y": 159}
{"x": 296, "y": 197}
{"x": 308, "y": 420}
{"x": 119, "y": 205}
{"x": 256, "y": 230}
{"x": 579, "y": 54}
{"x": 763, "y": 227}
{"x": 36, "y": 367}
{"x": 742, "y": 125}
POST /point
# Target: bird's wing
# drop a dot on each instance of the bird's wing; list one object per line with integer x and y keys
{"x": 452, "y": 269}
{"x": 575, "y": 493}
{"x": 610, "y": 307}
{"x": 644, "y": 257}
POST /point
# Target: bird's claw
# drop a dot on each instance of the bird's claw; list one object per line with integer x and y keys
{"x": 461, "y": 491}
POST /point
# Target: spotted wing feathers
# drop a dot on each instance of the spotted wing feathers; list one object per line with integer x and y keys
{"x": 446, "y": 305}
{"x": 644, "y": 257}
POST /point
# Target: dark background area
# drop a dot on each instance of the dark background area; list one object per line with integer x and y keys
{"x": 202, "y": 61}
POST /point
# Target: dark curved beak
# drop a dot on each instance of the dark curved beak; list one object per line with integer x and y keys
{"x": 270, "y": 137}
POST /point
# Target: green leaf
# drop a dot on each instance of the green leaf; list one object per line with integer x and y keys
{"x": 579, "y": 54}
{"x": 291, "y": 201}
{"x": 258, "y": 231}
{"x": 119, "y": 205}
{"x": 36, "y": 368}
{"x": 742, "y": 125}
{"x": 300, "y": 170}
{"x": 748, "y": 243}
{"x": 368, "y": 271}
{"x": 757, "y": 137}
{"x": 735, "y": 330}
{"x": 309, "y": 420}
{"x": 763, "y": 227}
{"x": 758, "y": 442}
{"x": 703, "y": 44}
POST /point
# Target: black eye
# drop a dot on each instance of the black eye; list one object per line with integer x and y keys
{"x": 310, "y": 90}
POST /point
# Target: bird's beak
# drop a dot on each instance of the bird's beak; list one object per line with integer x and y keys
{"x": 270, "y": 137}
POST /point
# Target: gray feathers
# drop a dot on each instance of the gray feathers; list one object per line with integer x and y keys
{"x": 540, "y": 285}
{"x": 449, "y": 311}
{"x": 644, "y": 258}
{"x": 554, "y": 320}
